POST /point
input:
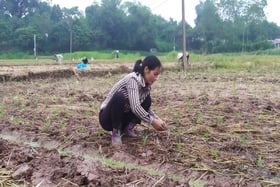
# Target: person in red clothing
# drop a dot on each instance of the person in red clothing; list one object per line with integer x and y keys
{"x": 129, "y": 101}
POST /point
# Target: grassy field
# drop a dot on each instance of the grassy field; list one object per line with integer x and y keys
{"x": 223, "y": 127}
{"x": 228, "y": 61}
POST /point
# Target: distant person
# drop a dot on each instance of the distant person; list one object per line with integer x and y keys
{"x": 58, "y": 58}
{"x": 116, "y": 54}
{"x": 180, "y": 57}
{"x": 129, "y": 101}
{"x": 83, "y": 64}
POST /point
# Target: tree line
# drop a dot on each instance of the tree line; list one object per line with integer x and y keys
{"x": 220, "y": 26}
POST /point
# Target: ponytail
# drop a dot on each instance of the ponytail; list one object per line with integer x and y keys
{"x": 138, "y": 66}
{"x": 151, "y": 62}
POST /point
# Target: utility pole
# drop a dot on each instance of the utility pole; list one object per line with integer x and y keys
{"x": 184, "y": 34}
{"x": 71, "y": 40}
{"x": 35, "y": 47}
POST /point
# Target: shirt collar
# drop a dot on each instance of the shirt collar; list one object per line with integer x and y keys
{"x": 140, "y": 79}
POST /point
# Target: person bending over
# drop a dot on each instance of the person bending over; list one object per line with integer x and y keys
{"x": 129, "y": 101}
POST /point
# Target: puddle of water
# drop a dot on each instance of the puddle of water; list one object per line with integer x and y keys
{"x": 17, "y": 140}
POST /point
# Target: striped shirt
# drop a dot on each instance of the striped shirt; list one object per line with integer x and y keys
{"x": 135, "y": 91}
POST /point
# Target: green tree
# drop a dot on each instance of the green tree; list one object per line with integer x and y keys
{"x": 221, "y": 26}
{"x": 140, "y": 24}
{"x": 70, "y": 18}
{"x": 5, "y": 32}
{"x": 82, "y": 35}
{"x": 56, "y": 14}
{"x": 18, "y": 8}
{"x": 242, "y": 14}
{"x": 24, "y": 37}
{"x": 107, "y": 23}
{"x": 165, "y": 37}
{"x": 208, "y": 25}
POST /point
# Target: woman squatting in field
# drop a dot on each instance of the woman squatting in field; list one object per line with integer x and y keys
{"x": 129, "y": 101}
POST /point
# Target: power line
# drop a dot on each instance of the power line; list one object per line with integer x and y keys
{"x": 162, "y": 3}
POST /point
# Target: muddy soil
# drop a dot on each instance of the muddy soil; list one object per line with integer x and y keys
{"x": 223, "y": 130}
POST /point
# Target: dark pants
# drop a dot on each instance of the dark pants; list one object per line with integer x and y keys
{"x": 113, "y": 116}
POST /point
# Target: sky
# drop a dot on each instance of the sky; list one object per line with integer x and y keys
{"x": 173, "y": 8}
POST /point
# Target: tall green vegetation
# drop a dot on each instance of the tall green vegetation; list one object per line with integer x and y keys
{"x": 233, "y": 26}
{"x": 220, "y": 26}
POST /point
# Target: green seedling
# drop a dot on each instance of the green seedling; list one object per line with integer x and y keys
{"x": 2, "y": 112}
{"x": 199, "y": 119}
{"x": 179, "y": 145}
{"x": 260, "y": 161}
{"x": 145, "y": 140}
{"x": 62, "y": 124}
{"x": 15, "y": 120}
{"x": 82, "y": 129}
{"x": 179, "y": 118}
{"x": 99, "y": 134}
{"x": 220, "y": 119}
{"x": 234, "y": 89}
{"x": 243, "y": 140}
{"x": 47, "y": 121}
{"x": 206, "y": 135}
{"x": 188, "y": 103}
{"x": 216, "y": 153}
{"x": 261, "y": 117}
{"x": 248, "y": 126}
{"x": 55, "y": 111}
{"x": 238, "y": 114}
{"x": 196, "y": 183}
{"x": 89, "y": 113}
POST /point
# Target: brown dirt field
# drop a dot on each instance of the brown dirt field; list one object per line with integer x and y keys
{"x": 223, "y": 129}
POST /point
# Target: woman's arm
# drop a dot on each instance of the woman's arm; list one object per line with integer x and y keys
{"x": 134, "y": 102}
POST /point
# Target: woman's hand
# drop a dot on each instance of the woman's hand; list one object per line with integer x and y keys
{"x": 159, "y": 124}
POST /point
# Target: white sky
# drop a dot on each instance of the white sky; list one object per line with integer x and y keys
{"x": 172, "y": 8}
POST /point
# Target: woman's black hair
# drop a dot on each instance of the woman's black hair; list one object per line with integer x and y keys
{"x": 151, "y": 62}
{"x": 85, "y": 60}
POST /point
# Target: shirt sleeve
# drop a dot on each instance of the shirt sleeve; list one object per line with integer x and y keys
{"x": 152, "y": 113}
{"x": 134, "y": 102}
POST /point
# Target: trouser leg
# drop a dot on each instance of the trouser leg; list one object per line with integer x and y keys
{"x": 131, "y": 117}
{"x": 114, "y": 117}
{"x": 111, "y": 116}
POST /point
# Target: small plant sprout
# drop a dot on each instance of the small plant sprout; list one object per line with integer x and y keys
{"x": 82, "y": 129}
{"x": 2, "y": 111}
{"x": 261, "y": 117}
{"x": 234, "y": 89}
{"x": 188, "y": 103}
{"x": 260, "y": 161}
{"x": 99, "y": 134}
{"x": 62, "y": 124}
{"x": 248, "y": 126}
{"x": 178, "y": 117}
{"x": 243, "y": 140}
{"x": 199, "y": 119}
{"x": 216, "y": 153}
{"x": 95, "y": 108}
{"x": 206, "y": 135}
{"x": 179, "y": 145}
{"x": 237, "y": 114}
{"x": 145, "y": 140}
{"x": 15, "y": 120}
{"x": 220, "y": 119}
{"x": 100, "y": 149}
{"x": 47, "y": 121}
{"x": 196, "y": 183}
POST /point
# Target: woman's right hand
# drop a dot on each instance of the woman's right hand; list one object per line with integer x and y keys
{"x": 159, "y": 124}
